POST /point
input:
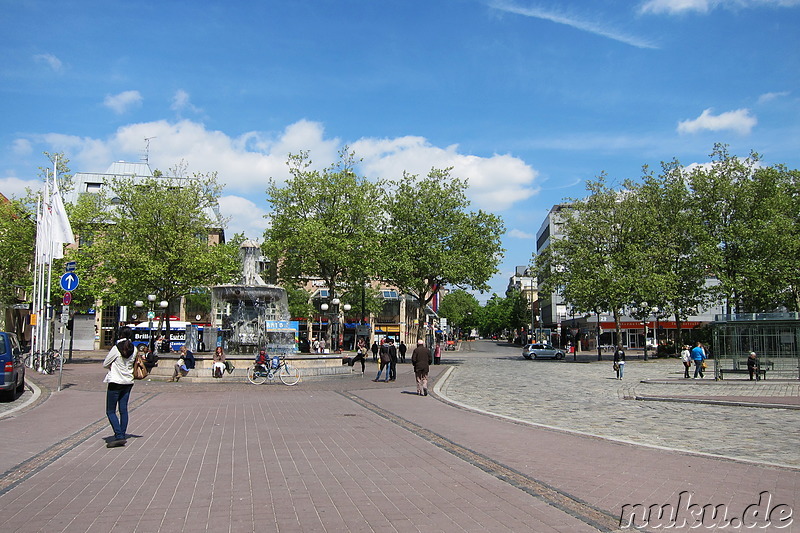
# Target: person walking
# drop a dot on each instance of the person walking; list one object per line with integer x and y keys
{"x": 375, "y": 351}
{"x": 119, "y": 363}
{"x": 753, "y": 367}
{"x": 698, "y": 355}
{"x": 392, "y": 361}
{"x": 687, "y": 361}
{"x": 619, "y": 361}
{"x": 385, "y": 362}
{"x": 421, "y": 360}
{"x": 402, "y": 349}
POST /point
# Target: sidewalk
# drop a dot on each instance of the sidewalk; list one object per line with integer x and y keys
{"x": 344, "y": 455}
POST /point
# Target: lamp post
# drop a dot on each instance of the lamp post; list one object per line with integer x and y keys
{"x": 324, "y": 308}
{"x": 163, "y": 304}
{"x": 345, "y": 308}
{"x": 151, "y": 298}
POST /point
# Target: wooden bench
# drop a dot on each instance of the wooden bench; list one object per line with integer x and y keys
{"x": 761, "y": 373}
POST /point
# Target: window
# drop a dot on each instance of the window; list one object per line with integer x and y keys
{"x": 94, "y": 187}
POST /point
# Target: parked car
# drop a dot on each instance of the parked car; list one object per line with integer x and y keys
{"x": 542, "y": 351}
{"x": 12, "y": 374}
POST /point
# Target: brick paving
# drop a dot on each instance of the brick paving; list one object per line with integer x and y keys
{"x": 351, "y": 455}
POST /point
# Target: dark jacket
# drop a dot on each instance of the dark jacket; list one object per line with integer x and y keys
{"x": 385, "y": 357}
{"x": 421, "y": 358}
{"x": 619, "y": 355}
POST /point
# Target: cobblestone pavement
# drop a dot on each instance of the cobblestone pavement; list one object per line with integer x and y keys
{"x": 585, "y": 397}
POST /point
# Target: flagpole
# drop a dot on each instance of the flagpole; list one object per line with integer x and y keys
{"x": 37, "y": 268}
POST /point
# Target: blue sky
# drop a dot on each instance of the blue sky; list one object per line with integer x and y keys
{"x": 525, "y": 98}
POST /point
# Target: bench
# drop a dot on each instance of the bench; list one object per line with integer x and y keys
{"x": 761, "y": 373}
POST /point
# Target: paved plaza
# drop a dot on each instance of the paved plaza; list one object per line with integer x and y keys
{"x": 502, "y": 444}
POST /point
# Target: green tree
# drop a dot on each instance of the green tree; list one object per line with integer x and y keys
{"x": 323, "y": 224}
{"x": 151, "y": 236}
{"x": 460, "y": 308}
{"x": 670, "y": 243}
{"x": 740, "y": 205}
{"x": 595, "y": 266}
{"x": 430, "y": 240}
{"x": 17, "y": 236}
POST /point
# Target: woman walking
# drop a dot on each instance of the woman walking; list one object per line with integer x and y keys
{"x": 119, "y": 363}
{"x": 619, "y": 362}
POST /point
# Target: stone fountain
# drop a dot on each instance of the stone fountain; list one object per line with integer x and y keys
{"x": 253, "y": 315}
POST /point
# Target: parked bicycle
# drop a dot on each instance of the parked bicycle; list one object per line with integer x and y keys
{"x": 277, "y": 366}
{"x": 47, "y": 362}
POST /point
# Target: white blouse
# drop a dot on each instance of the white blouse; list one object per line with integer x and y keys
{"x": 120, "y": 370}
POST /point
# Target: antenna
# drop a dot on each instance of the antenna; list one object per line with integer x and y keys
{"x": 146, "y": 157}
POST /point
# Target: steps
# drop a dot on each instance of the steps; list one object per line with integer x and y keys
{"x": 310, "y": 366}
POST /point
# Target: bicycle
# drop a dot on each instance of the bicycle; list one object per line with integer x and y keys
{"x": 288, "y": 374}
{"x": 52, "y": 361}
{"x": 47, "y": 362}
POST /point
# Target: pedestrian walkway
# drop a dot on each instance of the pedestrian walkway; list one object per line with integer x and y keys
{"x": 585, "y": 397}
{"x": 342, "y": 455}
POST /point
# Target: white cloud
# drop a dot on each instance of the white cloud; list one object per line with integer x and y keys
{"x": 592, "y": 26}
{"x": 495, "y": 183}
{"x": 22, "y": 147}
{"x": 243, "y": 216}
{"x": 245, "y": 163}
{"x": 50, "y": 60}
{"x": 519, "y": 234}
{"x": 768, "y": 97}
{"x": 740, "y": 121}
{"x": 181, "y": 101}
{"x": 119, "y": 103}
{"x": 14, "y": 187}
{"x": 673, "y": 7}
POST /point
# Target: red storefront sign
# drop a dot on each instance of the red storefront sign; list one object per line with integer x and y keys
{"x": 666, "y": 324}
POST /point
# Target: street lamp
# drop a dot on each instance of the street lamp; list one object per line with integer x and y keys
{"x": 324, "y": 308}
{"x": 347, "y": 308}
{"x": 163, "y": 304}
{"x": 151, "y": 298}
{"x": 335, "y": 325}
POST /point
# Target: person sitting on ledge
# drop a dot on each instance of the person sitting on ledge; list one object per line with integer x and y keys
{"x": 184, "y": 364}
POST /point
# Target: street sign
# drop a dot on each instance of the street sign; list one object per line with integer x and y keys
{"x": 67, "y": 299}
{"x": 69, "y": 281}
{"x": 70, "y": 266}
{"x": 64, "y": 313}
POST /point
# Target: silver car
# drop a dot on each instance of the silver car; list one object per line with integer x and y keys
{"x": 542, "y": 351}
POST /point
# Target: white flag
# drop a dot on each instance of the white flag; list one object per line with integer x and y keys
{"x": 43, "y": 218}
{"x": 61, "y": 228}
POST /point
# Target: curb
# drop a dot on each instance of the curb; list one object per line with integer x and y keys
{"x": 37, "y": 393}
{"x": 730, "y": 403}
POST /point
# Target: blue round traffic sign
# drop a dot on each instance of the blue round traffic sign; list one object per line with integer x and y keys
{"x": 69, "y": 281}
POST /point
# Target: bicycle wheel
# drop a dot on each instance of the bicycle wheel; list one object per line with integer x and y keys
{"x": 256, "y": 376}
{"x": 289, "y": 375}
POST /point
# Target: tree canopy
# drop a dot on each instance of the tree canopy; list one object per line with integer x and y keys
{"x": 323, "y": 223}
{"x": 413, "y": 233}
{"x": 151, "y": 236}
{"x": 431, "y": 240}
{"x": 654, "y": 243}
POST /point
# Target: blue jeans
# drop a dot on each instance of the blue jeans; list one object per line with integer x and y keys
{"x": 698, "y": 368}
{"x": 117, "y": 395}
